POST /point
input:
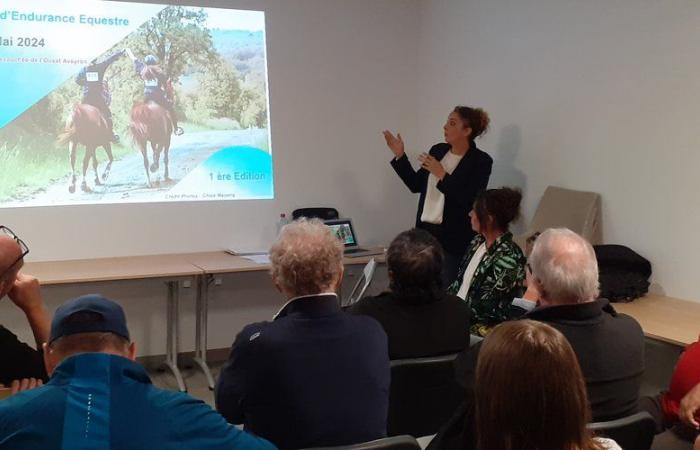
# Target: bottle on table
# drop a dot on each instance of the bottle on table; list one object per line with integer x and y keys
{"x": 284, "y": 220}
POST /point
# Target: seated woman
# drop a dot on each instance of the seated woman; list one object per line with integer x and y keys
{"x": 530, "y": 393}
{"x": 492, "y": 272}
{"x": 419, "y": 318}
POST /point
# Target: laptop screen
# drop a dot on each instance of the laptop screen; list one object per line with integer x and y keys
{"x": 342, "y": 229}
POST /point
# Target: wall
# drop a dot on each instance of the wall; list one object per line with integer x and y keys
{"x": 596, "y": 95}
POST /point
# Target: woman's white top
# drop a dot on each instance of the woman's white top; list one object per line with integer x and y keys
{"x": 434, "y": 199}
{"x": 471, "y": 269}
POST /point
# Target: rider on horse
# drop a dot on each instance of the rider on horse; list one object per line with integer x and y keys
{"x": 95, "y": 93}
{"x": 156, "y": 83}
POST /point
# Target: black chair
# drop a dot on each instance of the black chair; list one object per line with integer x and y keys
{"x": 635, "y": 432}
{"x": 315, "y": 213}
{"x": 388, "y": 443}
{"x": 423, "y": 395}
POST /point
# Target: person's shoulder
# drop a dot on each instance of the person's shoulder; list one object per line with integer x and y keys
{"x": 29, "y": 404}
{"x": 451, "y": 299}
{"x": 622, "y": 320}
{"x": 482, "y": 155}
{"x": 364, "y": 325}
{"x": 371, "y": 303}
{"x": 251, "y": 333}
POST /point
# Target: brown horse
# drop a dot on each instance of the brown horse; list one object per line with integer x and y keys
{"x": 152, "y": 123}
{"x": 87, "y": 126}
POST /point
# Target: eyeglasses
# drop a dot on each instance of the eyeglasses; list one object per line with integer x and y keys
{"x": 23, "y": 247}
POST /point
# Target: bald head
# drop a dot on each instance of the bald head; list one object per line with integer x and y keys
{"x": 565, "y": 267}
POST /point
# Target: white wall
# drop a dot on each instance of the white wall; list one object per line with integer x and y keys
{"x": 340, "y": 71}
{"x": 592, "y": 95}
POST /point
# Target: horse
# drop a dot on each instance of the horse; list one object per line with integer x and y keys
{"x": 152, "y": 123}
{"x": 87, "y": 126}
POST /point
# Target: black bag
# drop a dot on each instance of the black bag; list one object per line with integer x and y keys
{"x": 623, "y": 273}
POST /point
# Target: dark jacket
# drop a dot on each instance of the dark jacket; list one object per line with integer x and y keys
{"x": 19, "y": 360}
{"x": 610, "y": 350}
{"x": 415, "y": 330}
{"x": 102, "y": 401}
{"x": 315, "y": 376}
{"x": 460, "y": 188}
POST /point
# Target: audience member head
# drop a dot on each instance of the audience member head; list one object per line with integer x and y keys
{"x": 306, "y": 259}
{"x": 414, "y": 262}
{"x": 530, "y": 393}
{"x": 530, "y": 242}
{"x": 475, "y": 119}
{"x": 12, "y": 252}
{"x": 564, "y": 268}
{"x": 87, "y": 324}
{"x": 495, "y": 209}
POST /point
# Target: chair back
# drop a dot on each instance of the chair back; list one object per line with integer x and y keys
{"x": 423, "y": 396}
{"x": 578, "y": 211}
{"x": 635, "y": 432}
{"x": 387, "y": 443}
{"x": 315, "y": 213}
{"x": 362, "y": 284}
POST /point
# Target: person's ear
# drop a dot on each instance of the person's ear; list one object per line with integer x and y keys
{"x": 132, "y": 351}
{"x": 467, "y": 132}
{"x": 277, "y": 286}
{"x": 50, "y": 358}
{"x": 339, "y": 281}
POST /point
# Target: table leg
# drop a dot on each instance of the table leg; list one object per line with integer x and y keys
{"x": 172, "y": 333}
{"x": 202, "y": 313}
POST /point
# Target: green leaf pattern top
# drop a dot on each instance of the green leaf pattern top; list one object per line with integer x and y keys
{"x": 498, "y": 279}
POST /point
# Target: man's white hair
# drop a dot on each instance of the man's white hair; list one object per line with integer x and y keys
{"x": 565, "y": 265}
{"x": 307, "y": 258}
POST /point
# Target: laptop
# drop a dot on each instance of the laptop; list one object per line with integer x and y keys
{"x": 345, "y": 232}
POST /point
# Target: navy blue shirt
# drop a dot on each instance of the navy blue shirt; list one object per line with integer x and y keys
{"x": 99, "y": 401}
{"x": 315, "y": 376}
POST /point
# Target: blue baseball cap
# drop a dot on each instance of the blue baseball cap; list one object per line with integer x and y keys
{"x": 112, "y": 318}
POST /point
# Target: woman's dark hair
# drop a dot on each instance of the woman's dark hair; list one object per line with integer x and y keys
{"x": 530, "y": 392}
{"x": 502, "y": 205}
{"x": 414, "y": 260}
{"x": 475, "y": 118}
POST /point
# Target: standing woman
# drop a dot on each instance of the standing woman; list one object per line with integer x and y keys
{"x": 450, "y": 176}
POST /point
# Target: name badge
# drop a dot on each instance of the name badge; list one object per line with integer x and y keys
{"x": 151, "y": 83}
{"x": 92, "y": 76}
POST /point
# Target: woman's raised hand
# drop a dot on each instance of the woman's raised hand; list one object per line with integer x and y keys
{"x": 395, "y": 143}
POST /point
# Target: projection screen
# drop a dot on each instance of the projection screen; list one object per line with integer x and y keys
{"x": 92, "y": 91}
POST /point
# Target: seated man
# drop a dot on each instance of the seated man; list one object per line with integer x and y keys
{"x": 419, "y": 318}
{"x": 609, "y": 346}
{"x": 20, "y": 365}
{"x": 314, "y": 376}
{"x": 99, "y": 397}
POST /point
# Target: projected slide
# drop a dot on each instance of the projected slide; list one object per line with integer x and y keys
{"x": 113, "y": 102}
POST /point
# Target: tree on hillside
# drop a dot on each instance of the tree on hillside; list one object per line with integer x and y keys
{"x": 178, "y": 37}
